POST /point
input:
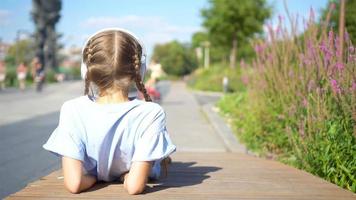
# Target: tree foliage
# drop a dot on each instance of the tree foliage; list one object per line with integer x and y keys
{"x": 21, "y": 51}
{"x": 233, "y": 23}
{"x": 350, "y": 17}
{"x": 176, "y": 58}
{"x": 217, "y": 53}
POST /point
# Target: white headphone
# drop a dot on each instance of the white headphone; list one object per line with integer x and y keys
{"x": 84, "y": 67}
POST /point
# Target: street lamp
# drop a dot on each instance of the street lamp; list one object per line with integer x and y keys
{"x": 17, "y": 39}
{"x": 206, "y": 45}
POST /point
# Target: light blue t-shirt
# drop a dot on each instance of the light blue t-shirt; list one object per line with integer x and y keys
{"x": 107, "y": 138}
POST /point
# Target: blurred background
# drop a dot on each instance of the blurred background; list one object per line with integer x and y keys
{"x": 284, "y": 72}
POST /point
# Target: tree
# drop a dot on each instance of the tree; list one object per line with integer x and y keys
{"x": 232, "y": 22}
{"x": 21, "y": 51}
{"x": 350, "y": 17}
{"x": 217, "y": 53}
{"x": 176, "y": 58}
{"x": 45, "y": 15}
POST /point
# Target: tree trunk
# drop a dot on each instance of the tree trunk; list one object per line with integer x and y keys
{"x": 233, "y": 52}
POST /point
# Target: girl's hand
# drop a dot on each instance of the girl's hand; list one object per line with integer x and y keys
{"x": 74, "y": 179}
{"x": 135, "y": 180}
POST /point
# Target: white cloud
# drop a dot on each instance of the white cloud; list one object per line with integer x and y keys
{"x": 126, "y": 21}
{"x": 4, "y": 17}
{"x": 141, "y": 23}
{"x": 152, "y": 29}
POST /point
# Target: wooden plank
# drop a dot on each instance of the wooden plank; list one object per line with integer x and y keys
{"x": 205, "y": 176}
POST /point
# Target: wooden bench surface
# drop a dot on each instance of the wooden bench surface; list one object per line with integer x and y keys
{"x": 205, "y": 176}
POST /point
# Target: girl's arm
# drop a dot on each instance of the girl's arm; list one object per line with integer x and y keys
{"x": 74, "y": 179}
{"x": 135, "y": 180}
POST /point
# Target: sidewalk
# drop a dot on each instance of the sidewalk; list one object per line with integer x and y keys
{"x": 187, "y": 124}
{"x": 202, "y": 167}
{"x": 18, "y": 105}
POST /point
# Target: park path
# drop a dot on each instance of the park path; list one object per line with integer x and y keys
{"x": 202, "y": 168}
{"x": 186, "y": 122}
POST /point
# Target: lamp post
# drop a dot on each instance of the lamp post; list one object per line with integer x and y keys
{"x": 17, "y": 39}
{"x": 206, "y": 45}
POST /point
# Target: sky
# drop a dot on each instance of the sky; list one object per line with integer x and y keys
{"x": 153, "y": 21}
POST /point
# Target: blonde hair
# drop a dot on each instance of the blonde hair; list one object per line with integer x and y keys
{"x": 113, "y": 60}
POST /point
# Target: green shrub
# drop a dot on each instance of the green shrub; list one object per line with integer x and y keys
{"x": 11, "y": 76}
{"x": 211, "y": 79}
{"x": 329, "y": 153}
{"x": 176, "y": 58}
{"x": 51, "y": 76}
{"x": 300, "y": 104}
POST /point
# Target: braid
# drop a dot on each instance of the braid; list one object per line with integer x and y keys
{"x": 87, "y": 59}
{"x": 138, "y": 79}
{"x": 87, "y": 83}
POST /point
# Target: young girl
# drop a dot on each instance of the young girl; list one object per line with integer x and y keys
{"x": 109, "y": 135}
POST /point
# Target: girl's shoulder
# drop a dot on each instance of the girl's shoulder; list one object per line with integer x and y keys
{"x": 150, "y": 108}
{"x": 85, "y": 103}
{"x": 74, "y": 102}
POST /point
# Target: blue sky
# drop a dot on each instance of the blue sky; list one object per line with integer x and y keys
{"x": 154, "y": 21}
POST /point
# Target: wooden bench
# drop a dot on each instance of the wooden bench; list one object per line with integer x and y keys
{"x": 205, "y": 176}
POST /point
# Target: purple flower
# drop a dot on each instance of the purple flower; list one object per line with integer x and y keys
{"x": 346, "y": 36}
{"x": 280, "y": 18}
{"x": 353, "y": 87}
{"x": 335, "y": 86}
{"x": 327, "y": 53}
{"x": 245, "y": 80}
{"x": 337, "y": 45}
{"x": 339, "y": 66}
{"x": 311, "y": 14}
{"x": 242, "y": 63}
{"x": 351, "y": 49}
{"x": 331, "y": 37}
{"x": 259, "y": 48}
{"x": 332, "y": 6}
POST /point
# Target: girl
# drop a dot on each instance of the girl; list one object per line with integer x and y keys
{"x": 109, "y": 135}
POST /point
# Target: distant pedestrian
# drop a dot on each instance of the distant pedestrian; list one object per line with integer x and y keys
{"x": 2, "y": 74}
{"x": 110, "y": 135}
{"x": 225, "y": 83}
{"x": 38, "y": 74}
{"x": 21, "y": 75}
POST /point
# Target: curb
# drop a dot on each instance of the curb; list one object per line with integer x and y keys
{"x": 231, "y": 142}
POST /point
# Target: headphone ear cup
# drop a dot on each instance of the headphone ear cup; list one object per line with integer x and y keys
{"x": 143, "y": 67}
{"x": 83, "y": 70}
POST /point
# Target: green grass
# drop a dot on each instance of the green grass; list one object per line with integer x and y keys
{"x": 211, "y": 79}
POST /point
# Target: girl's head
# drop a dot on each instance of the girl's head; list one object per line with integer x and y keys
{"x": 113, "y": 60}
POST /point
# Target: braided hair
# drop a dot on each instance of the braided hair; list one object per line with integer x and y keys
{"x": 138, "y": 79}
{"x": 113, "y": 60}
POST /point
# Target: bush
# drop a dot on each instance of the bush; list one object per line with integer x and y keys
{"x": 176, "y": 59}
{"x": 211, "y": 79}
{"x": 300, "y": 104}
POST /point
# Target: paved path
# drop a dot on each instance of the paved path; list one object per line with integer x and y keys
{"x": 187, "y": 123}
{"x": 202, "y": 169}
{"x": 18, "y": 105}
{"x": 26, "y": 120}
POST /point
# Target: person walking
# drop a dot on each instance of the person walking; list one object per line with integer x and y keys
{"x": 21, "y": 75}
{"x": 2, "y": 75}
{"x": 38, "y": 74}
